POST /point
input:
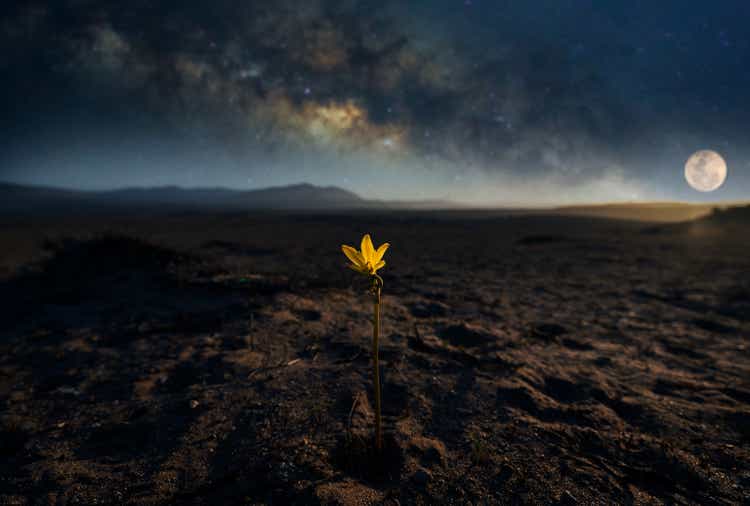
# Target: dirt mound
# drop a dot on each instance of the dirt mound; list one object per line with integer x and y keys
{"x": 80, "y": 268}
{"x": 98, "y": 281}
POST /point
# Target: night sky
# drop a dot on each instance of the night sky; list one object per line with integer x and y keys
{"x": 484, "y": 101}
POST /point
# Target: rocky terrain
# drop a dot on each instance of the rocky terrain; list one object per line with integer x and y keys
{"x": 225, "y": 359}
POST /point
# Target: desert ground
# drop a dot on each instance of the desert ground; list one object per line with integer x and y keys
{"x": 225, "y": 359}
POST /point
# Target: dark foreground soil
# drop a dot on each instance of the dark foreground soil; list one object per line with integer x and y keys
{"x": 226, "y": 360}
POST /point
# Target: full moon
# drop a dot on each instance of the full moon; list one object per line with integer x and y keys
{"x": 706, "y": 170}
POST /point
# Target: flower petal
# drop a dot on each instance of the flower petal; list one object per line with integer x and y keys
{"x": 380, "y": 252}
{"x": 368, "y": 251}
{"x": 379, "y": 265}
{"x": 357, "y": 268}
{"x": 353, "y": 255}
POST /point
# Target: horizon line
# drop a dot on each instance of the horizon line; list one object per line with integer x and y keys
{"x": 462, "y": 205}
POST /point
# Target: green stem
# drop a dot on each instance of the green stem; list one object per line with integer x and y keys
{"x": 376, "y": 364}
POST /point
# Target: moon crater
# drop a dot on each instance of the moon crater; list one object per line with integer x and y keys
{"x": 706, "y": 170}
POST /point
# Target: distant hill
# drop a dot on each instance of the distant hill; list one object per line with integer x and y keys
{"x": 663, "y": 212}
{"x": 737, "y": 215}
{"x": 727, "y": 221}
{"x": 298, "y": 196}
{"x": 24, "y": 199}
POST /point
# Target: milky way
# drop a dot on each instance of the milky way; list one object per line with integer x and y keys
{"x": 491, "y": 102}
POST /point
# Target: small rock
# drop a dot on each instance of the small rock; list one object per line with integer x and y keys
{"x": 430, "y": 451}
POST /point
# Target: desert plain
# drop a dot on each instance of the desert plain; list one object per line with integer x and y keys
{"x": 224, "y": 358}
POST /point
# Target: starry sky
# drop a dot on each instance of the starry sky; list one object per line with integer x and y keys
{"x": 498, "y": 102}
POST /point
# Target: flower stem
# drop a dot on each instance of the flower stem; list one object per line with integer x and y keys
{"x": 377, "y": 284}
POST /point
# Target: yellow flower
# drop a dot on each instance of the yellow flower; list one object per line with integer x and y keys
{"x": 368, "y": 260}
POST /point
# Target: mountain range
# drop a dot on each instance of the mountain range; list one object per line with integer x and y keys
{"x": 26, "y": 199}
